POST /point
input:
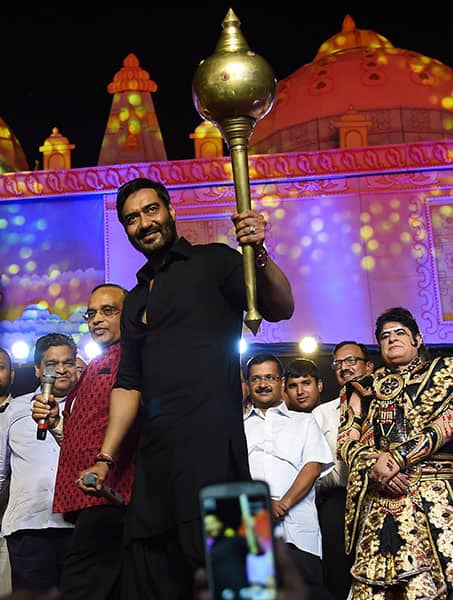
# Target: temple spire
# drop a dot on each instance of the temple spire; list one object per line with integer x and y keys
{"x": 133, "y": 132}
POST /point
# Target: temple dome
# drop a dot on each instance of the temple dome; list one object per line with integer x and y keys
{"x": 406, "y": 95}
{"x": 12, "y": 156}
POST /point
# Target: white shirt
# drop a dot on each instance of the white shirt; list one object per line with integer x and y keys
{"x": 327, "y": 415}
{"x": 6, "y": 401}
{"x": 280, "y": 442}
{"x": 33, "y": 466}
{"x": 4, "y": 494}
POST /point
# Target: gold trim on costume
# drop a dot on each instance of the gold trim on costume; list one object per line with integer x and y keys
{"x": 389, "y": 386}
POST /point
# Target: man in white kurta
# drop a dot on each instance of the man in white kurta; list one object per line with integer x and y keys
{"x": 6, "y": 381}
{"x": 36, "y": 537}
{"x": 288, "y": 450}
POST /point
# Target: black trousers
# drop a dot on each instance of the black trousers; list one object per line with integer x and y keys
{"x": 92, "y": 567}
{"x": 310, "y": 567}
{"x": 331, "y": 505}
{"x": 36, "y": 557}
{"x": 162, "y": 567}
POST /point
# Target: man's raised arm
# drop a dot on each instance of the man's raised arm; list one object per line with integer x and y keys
{"x": 274, "y": 293}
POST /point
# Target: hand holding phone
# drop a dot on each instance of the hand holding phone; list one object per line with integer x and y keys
{"x": 291, "y": 587}
{"x": 239, "y": 543}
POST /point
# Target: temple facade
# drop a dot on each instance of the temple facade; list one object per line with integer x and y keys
{"x": 354, "y": 175}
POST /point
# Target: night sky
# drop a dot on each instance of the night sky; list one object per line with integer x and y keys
{"x": 55, "y": 68}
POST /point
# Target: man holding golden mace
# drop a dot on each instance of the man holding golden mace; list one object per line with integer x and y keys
{"x": 233, "y": 89}
{"x": 179, "y": 369}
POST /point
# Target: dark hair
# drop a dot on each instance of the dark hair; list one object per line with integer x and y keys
{"x": 134, "y": 185}
{"x": 259, "y": 359}
{"x": 301, "y": 367}
{"x": 110, "y": 285}
{"x": 8, "y": 358}
{"x": 52, "y": 339}
{"x": 400, "y": 315}
{"x": 363, "y": 348}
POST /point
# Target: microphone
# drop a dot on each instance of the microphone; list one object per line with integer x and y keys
{"x": 89, "y": 479}
{"x": 47, "y": 380}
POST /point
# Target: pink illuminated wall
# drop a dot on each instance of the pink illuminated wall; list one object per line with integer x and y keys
{"x": 350, "y": 252}
{"x": 351, "y": 244}
{"x": 356, "y": 231}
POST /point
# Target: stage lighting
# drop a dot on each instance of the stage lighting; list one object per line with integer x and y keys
{"x": 243, "y": 345}
{"x": 20, "y": 350}
{"x": 308, "y": 344}
{"x": 91, "y": 349}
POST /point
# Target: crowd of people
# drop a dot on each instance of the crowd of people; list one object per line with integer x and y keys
{"x": 361, "y": 484}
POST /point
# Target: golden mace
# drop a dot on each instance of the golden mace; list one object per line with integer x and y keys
{"x": 233, "y": 89}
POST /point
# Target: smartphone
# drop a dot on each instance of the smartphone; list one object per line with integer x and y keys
{"x": 239, "y": 541}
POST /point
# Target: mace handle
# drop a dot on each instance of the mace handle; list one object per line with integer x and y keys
{"x": 237, "y": 132}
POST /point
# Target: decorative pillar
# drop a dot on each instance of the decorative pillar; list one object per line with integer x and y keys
{"x": 353, "y": 129}
{"x": 56, "y": 152}
{"x": 208, "y": 141}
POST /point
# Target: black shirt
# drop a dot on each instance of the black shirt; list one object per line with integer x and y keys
{"x": 185, "y": 361}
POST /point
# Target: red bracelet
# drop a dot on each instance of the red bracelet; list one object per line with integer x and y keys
{"x": 103, "y": 457}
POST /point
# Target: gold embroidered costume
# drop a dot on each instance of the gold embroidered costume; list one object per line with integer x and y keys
{"x": 403, "y": 544}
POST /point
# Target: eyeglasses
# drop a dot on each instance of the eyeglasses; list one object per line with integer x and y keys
{"x": 106, "y": 311}
{"x": 349, "y": 361}
{"x": 267, "y": 378}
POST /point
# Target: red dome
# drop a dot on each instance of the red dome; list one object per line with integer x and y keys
{"x": 405, "y": 95}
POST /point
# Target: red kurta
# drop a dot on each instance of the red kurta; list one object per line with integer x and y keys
{"x": 85, "y": 420}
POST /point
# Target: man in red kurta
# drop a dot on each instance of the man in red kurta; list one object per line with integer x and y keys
{"x": 93, "y": 562}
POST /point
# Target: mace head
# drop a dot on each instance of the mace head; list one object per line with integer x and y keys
{"x": 234, "y": 81}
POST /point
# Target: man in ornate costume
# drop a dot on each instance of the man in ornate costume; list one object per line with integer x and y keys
{"x": 396, "y": 438}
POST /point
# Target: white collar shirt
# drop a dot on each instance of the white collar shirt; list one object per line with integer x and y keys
{"x": 280, "y": 442}
{"x": 327, "y": 415}
{"x": 32, "y": 467}
{"x": 4, "y": 405}
{"x": 4, "y": 494}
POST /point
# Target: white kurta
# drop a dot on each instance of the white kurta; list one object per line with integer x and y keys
{"x": 33, "y": 466}
{"x": 327, "y": 415}
{"x": 280, "y": 442}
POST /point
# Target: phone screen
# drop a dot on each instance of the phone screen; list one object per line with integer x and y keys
{"x": 239, "y": 549}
